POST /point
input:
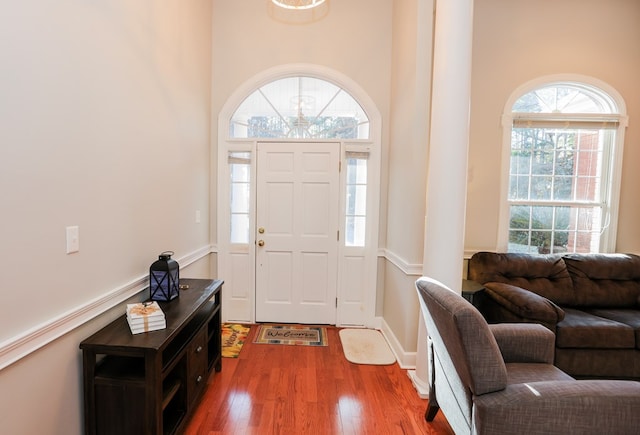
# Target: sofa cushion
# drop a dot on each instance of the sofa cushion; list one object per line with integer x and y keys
{"x": 545, "y": 275}
{"x": 605, "y": 280}
{"x": 580, "y": 329}
{"x": 524, "y": 303}
{"x": 628, "y": 317}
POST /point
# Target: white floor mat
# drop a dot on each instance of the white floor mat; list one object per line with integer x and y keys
{"x": 366, "y": 346}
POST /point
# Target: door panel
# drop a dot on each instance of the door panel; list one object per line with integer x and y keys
{"x": 297, "y": 207}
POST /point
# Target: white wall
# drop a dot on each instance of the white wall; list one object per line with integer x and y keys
{"x": 104, "y": 124}
{"x": 520, "y": 40}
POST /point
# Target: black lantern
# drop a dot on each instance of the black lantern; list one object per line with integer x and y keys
{"x": 164, "y": 278}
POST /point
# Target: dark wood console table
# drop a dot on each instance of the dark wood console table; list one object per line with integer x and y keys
{"x": 150, "y": 383}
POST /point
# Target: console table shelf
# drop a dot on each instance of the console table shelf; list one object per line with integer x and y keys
{"x": 150, "y": 383}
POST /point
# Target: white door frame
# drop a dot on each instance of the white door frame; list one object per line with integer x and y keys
{"x": 357, "y": 267}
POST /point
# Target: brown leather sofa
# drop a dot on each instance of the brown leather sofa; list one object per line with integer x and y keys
{"x": 590, "y": 301}
{"x": 499, "y": 379}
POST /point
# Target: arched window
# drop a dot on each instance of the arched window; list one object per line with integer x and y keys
{"x": 562, "y": 189}
{"x": 299, "y": 108}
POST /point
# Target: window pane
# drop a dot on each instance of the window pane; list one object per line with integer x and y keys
{"x": 240, "y": 198}
{"x": 541, "y": 188}
{"x": 356, "y": 171}
{"x": 520, "y": 162}
{"x": 545, "y": 229}
{"x": 519, "y": 188}
{"x": 564, "y": 98}
{"x": 541, "y": 217}
{"x": 239, "y": 228}
{"x": 300, "y": 107}
{"x": 240, "y": 173}
{"x": 355, "y": 231}
{"x": 356, "y": 201}
{"x": 240, "y": 195}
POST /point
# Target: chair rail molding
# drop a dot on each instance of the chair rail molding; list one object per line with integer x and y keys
{"x": 29, "y": 341}
{"x": 406, "y": 267}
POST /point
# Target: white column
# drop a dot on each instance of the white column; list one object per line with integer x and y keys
{"x": 447, "y": 164}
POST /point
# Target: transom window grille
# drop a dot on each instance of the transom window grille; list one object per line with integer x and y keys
{"x": 562, "y": 141}
{"x": 300, "y": 108}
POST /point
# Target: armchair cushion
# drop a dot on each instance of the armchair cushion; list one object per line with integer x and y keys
{"x": 524, "y": 303}
{"x": 520, "y": 373}
{"x": 576, "y": 407}
{"x": 524, "y": 342}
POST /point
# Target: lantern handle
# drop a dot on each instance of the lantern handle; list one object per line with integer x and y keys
{"x": 166, "y": 254}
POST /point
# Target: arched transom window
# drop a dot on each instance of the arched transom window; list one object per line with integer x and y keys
{"x": 561, "y": 165}
{"x": 299, "y": 108}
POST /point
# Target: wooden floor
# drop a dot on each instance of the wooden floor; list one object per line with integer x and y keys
{"x": 279, "y": 389}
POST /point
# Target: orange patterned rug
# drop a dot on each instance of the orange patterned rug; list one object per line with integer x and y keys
{"x": 292, "y": 335}
{"x": 233, "y": 338}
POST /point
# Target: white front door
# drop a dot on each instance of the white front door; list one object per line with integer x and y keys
{"x": 297, "y": 232}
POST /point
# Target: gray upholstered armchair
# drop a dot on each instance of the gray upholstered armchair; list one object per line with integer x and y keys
{"x": 500, "y": 379}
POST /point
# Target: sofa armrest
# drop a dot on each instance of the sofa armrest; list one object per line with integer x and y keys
{"x": 524, "y": 342}
{"x": 560, "y": 407}
{"x": 524, "y": 303}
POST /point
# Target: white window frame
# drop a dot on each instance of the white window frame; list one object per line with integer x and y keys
{"x": 613, "y": 178}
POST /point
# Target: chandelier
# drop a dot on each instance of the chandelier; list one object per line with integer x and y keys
{"x": 298, "y": 4}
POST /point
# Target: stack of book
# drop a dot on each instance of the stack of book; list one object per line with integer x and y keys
{"x": 145, "y": 317}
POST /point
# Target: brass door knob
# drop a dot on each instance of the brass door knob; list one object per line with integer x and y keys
{"x": 260, "y": 242}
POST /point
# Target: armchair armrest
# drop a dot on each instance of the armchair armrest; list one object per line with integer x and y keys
{"x": 524, "y": 303}
{"x": 524, "y": 342}
{"x": 560, "y": 407}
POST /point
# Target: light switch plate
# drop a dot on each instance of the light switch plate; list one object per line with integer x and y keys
{"x": 73, "y": 239}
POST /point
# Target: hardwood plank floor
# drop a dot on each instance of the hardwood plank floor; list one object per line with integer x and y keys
{"x": 278, "y": 389}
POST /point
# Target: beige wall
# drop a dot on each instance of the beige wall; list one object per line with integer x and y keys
{"x": 407, "y": 162}
{"x": 251, "y": 36}
{"x": 518, "y": 41}
{"x": 105, "y": 112}
{"x": 106, "y": 119}
{"x": 510, "y": 47}
{"x": 104, "y": 124}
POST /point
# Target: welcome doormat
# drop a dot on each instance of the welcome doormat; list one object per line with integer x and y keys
{"x": 291, "y": 335}
{"x": 233, "y": 338}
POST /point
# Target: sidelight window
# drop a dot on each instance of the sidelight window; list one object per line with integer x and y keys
{"x": 356, "y": 201}
{"x": 240, "y": 195}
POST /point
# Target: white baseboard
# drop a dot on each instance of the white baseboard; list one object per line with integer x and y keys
{"x": 406, "y": 360}
{"x": 421, "y": 387}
